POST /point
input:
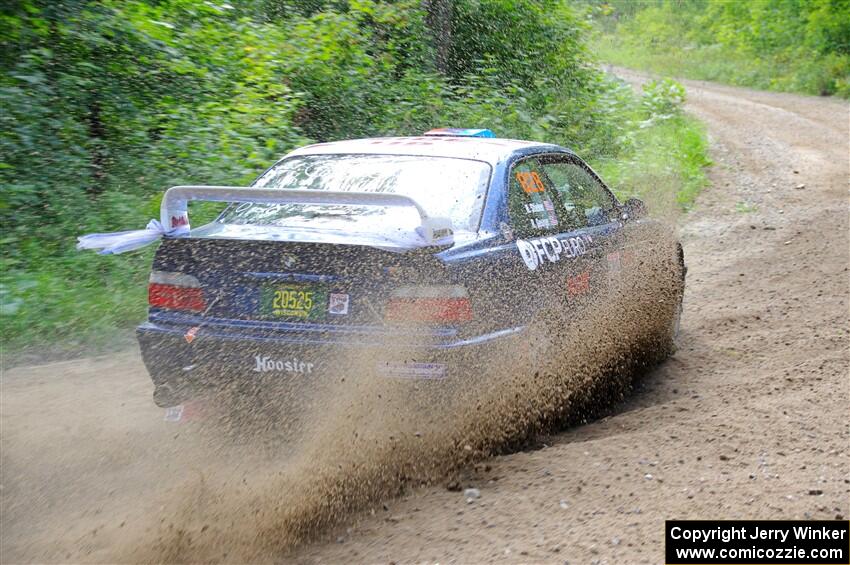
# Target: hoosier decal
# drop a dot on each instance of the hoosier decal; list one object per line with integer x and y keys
{"x": 266, "y": 364}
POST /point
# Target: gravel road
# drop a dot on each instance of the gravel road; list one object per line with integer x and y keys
{"x": 748, "y": 420}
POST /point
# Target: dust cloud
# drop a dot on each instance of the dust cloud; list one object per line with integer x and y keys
{"x": 364, "y": 438}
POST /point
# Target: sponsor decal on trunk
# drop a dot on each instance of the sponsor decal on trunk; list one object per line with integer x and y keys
{"x": 338, "y": 303}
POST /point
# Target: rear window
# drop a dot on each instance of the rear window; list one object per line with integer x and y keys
{"x": 453, "y": 188}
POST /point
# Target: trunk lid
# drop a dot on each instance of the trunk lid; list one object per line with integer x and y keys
{"x": 295, "y": 282}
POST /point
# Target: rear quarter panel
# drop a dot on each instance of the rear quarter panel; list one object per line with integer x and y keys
{"x": 508, "y": 292}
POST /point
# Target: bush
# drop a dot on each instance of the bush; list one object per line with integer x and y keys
{"x": 662, "y": 100}
{"x": 105, "y": 104}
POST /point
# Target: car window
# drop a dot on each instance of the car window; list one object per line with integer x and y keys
{"x": 585, "y": 200}
{"x": 531, "y": 200}
{"x": 446, "y": 187}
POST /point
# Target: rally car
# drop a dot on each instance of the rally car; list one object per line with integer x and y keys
{"x": 422, "y": 255}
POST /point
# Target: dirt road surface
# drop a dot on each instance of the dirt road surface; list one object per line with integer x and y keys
{"x": 748, "y": 420}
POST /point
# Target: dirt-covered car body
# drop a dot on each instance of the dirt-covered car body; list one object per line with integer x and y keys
{"x": 295, "y": 293}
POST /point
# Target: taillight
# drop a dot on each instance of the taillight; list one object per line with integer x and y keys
{"x": 176, "y": 291}
{"x": 440, "y": 303}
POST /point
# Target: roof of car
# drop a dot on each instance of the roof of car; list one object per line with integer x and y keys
{"x": 491, "y": 150}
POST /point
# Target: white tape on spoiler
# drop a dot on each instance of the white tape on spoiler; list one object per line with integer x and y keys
{"x": 174, "y": 215}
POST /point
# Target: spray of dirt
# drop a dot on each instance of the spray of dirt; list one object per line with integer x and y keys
{"x": 368, "y": 438}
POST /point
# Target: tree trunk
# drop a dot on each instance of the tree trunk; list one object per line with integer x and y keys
{"x": 439, "y": 20}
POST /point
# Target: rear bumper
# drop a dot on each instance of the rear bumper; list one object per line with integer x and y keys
{"x": 181, "y": 357}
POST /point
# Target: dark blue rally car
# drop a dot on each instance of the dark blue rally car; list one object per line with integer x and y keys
{"x": 421, "y": 255}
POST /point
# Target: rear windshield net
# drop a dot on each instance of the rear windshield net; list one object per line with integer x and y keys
{"x": 447, "y": 187}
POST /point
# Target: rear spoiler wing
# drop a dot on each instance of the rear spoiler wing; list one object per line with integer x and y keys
{"x": 174, "y": 212}
{"x": 433, "y": 231}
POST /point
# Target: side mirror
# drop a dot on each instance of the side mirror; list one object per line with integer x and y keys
{"x": 633, "y": 208}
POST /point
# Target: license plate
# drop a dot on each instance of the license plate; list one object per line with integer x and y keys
{"x": 294, "y": 301}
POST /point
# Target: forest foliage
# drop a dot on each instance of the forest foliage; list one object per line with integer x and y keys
{"x": 104, "y": 104}
{"x": 791, "y": 45}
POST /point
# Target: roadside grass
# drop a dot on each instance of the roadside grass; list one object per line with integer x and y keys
{"x": 64, "y": 305}
{"x": 665, "y": 165}
{"x": 790, "y": 71}
{"x": 78, "y": 301}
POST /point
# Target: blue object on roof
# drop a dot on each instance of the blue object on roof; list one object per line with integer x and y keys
{"x": 460, "y": 132}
